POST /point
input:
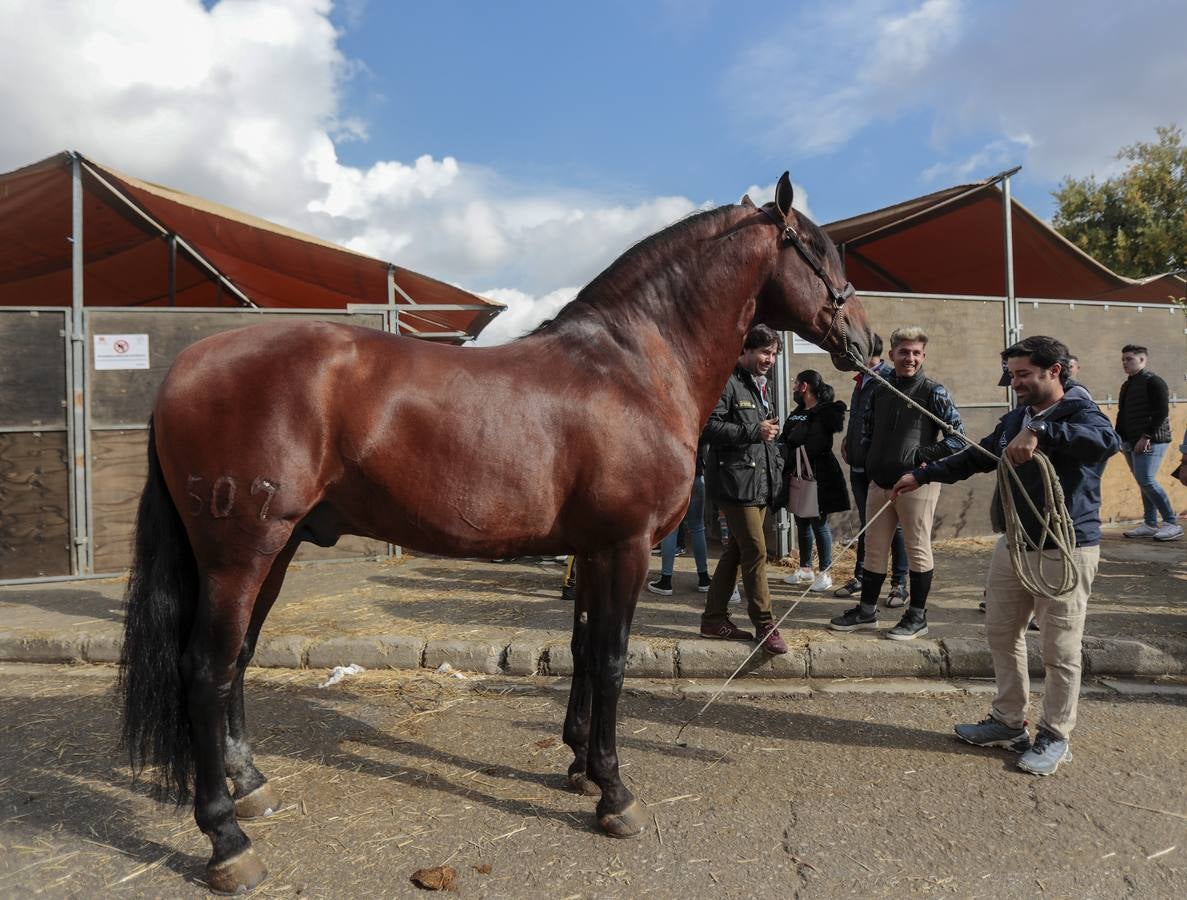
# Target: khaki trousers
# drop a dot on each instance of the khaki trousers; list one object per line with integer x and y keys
{"x": 914, "y": 511}
{"x": 747, "y": 550}
{"x": 1008, "y": 608}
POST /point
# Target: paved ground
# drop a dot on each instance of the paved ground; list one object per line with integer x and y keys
{"x": 790, "y": 792}
{"x": 1140, "y": 594}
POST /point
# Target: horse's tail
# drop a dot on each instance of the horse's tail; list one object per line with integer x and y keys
{"x": 161, "y": 595}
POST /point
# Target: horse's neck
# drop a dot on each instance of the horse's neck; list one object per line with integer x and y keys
{"x": 677, "y": 319}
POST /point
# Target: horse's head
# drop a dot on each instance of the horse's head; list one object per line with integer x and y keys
{"x": 807, "y": 291}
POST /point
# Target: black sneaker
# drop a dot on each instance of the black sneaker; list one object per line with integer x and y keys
{"x": 913, "y": 624}
{"x": 662, "y": 586}
{"x": 897, "y": 597}
{"x": 703, "y": 582}
{"x": 849, "y": 589}
{"x": 853, "y": 620}
{"x": 569, "y": 592}
{"x": 681, "y": 549}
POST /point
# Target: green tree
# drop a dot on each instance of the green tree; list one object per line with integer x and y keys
{"x": 1136, "y": 222}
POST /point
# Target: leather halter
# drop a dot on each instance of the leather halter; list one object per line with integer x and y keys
{"x": 837, "y": 296}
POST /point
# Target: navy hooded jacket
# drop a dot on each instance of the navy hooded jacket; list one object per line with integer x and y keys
{"x": 1078, "y": 440}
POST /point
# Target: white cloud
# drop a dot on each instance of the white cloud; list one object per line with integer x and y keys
{"x": 523, "y": 313}
{"x": 241, "y": 103}
{"x": 1057, "y": 86}
{"x": 829, "y": 72}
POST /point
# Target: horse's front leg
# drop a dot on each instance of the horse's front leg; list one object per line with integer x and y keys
{"x": 576, "y": 733}
{"x": 612, "y": 606}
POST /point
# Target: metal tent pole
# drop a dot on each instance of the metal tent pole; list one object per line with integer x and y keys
{"x": 783, "y": 408}
{"x": 77, "y": 434}
{"x": 1013, "y": 326}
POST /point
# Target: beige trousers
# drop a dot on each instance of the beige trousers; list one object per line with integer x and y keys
{"x": 1008, "y": 608}
{"x": 914, "y": 511}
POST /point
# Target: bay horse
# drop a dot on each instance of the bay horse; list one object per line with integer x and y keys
{"x": 576, "y": 438}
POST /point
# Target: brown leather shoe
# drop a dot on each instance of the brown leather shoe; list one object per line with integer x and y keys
{"x": 771, "y": 640}
{"x": 725, "y": 631}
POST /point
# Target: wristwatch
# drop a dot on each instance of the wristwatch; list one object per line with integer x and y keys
{"x": 1039, "y": 428}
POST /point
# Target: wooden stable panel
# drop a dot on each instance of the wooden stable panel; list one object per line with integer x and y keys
{"x": 119, "y": 467}
{"x": 34, "y": 505}
{"x": 1096, "y": 335}
{"x": 125, "y": 397}
{"x": 965, "y": 338}
{"x": 32, "y": 369}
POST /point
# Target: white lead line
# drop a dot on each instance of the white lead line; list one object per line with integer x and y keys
{"x": 1160, "y": 853}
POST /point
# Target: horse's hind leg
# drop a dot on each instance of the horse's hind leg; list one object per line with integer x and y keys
{"x": 620, "y": 576}
{"x": 576, "y": 731}
{"x": 254, "y": 796}
{"x": 210, "y": 665}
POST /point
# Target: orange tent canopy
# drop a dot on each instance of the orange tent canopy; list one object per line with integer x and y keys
{"x": 952, "y": 242}
{"x": 134, "y": 232}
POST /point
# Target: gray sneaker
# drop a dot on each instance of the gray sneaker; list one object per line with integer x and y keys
{"x": 989, "y": 732}
{"x": 1045, "y": 756}
{"x": 913, "y": 624}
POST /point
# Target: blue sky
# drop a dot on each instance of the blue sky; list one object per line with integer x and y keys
{"x": 517, "y": 148}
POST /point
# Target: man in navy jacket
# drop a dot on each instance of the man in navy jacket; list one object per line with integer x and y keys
{"x": 1078, "y": 439}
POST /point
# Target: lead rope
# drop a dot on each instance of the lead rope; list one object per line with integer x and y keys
{"x": 1056, "y": 524}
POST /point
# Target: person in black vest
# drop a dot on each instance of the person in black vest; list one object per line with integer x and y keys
{"x": 743, "y": 474}
{"x": 1143, "y": 422}
{"x": 897, "y": 438}
{"x": 854, "y": 455}
{"x": 816, "y": 418}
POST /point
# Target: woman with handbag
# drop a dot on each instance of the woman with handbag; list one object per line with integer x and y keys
{"x": 815, "y": 483}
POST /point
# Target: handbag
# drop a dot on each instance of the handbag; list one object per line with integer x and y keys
{"x": 802, "y": 497}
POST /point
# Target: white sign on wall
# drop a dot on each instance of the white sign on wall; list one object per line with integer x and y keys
{"x": 800, "y": 345}
{"x": 121, "y": 351}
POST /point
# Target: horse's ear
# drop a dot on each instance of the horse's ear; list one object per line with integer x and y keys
{"x": 746, "y": 201}
{"x": 784, "y": 194}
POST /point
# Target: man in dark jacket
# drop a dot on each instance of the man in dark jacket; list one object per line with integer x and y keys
{"x": 1078, "y": 439}
{"x": 896, "y": 437}
{"x": 1143, "y": 422}
{"x": 743, "y": 474}
{"x": 854, "y": 455}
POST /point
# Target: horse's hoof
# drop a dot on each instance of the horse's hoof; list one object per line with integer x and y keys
{"x": 263, "y": 801}
{"x": 627, "y": 823}
{"x": 583, "y": 784}
{"x": 236, "y": 875}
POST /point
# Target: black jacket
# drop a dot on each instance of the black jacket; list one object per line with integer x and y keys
{"x": 859, "y": 406}
{"x": 813, "y": 429}
{"x": 1143, "y": 409}
{"x": 897, "y": 437}
{"x": 740, "y": 467}
{"x": 1078, "y": 439}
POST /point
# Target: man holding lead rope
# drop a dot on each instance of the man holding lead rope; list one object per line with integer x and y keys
{"x": 1077, "y": 439}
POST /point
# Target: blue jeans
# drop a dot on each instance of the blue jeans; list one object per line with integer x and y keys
{"x": 898, "y": 547}
{"x": 694, "y": 521}
{"x": 805, "y": 529}
{"x": 1145, "y": 471}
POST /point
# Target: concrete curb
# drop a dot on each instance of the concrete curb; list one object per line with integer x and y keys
{"x": 851, "y": 658}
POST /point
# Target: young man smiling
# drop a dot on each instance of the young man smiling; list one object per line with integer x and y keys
{"x": 1078, "y": 439}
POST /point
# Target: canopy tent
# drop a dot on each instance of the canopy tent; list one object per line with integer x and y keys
{"x": 151, "y": 246}
{"x": 951, "y": 242}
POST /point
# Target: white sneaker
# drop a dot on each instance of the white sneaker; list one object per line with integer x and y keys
{"x": 736, "y": 596}
{"x": 1141, "y": 531}
{"x": 823, "y": 582}
{"x": 802, "y": 575}
{"x": 1170, "y": 531}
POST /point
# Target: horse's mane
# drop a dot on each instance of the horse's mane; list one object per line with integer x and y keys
{"x": 603, "y": 290}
